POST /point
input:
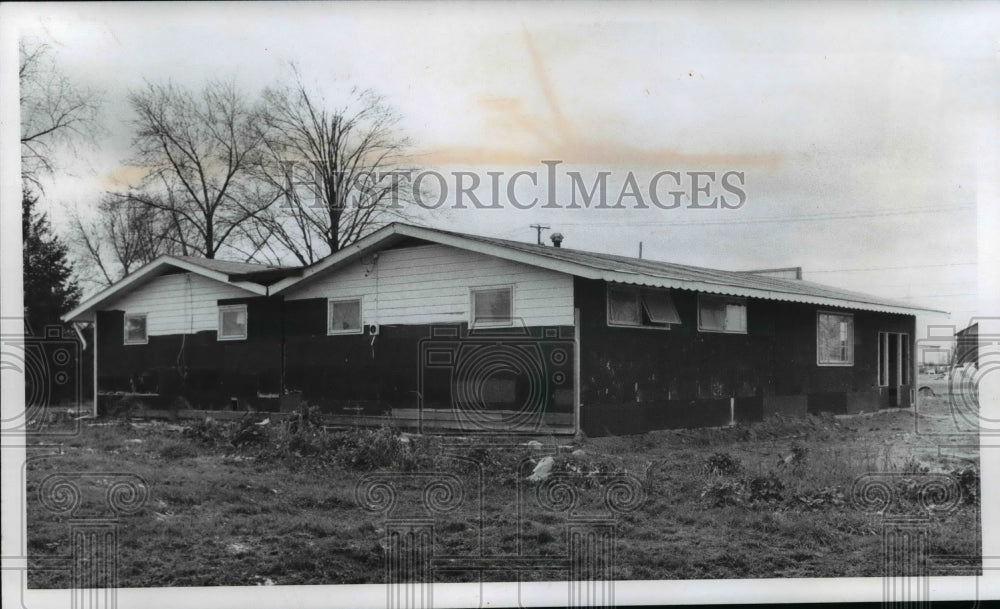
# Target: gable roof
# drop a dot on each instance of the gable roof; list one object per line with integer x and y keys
{"x": 264, "y": 279}
{"x": 609, "y": 267}
{"x": 226, "y": 266}
{"x": 239, "y": 274}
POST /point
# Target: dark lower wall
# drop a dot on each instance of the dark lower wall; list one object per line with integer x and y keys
{"x": 207, "y": 372}
{"x": 640, "y": 379}
{"x": 429, "y": 366}
{"x": 632, "y": 380}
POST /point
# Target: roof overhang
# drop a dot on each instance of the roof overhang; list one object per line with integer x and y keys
{"x": 842, "y": 303}
{"x": 85, "y": 310}
{"x": 386, "y": 236}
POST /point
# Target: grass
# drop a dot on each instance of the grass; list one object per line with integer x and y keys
{"x": 244, "y": 504}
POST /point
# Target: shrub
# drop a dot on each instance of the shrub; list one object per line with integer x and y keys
{"x": 305, "y": 442}
{"x": 499, "y": 465}
{"x": 587, "y": 470}
{"x": 248, "y": 431}
{"x": 206, "y": 431}
{"x": 723, "y": 464}
{"x": 544, "y": 537}
{"x": 305, "y": 418}
{"x": 826, "y": 497}
{"x": 914, "y": 466}
{"x": 799, "y": 454}
{"x": 723, "y": 493}
{"x": 968, "y": 481}
{"x": 768, "y": 489}
{"x": 382, "y": 447}
{"x": 745, "y": 491}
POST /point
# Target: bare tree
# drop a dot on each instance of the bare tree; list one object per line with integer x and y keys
{"x": 197, "y": 149}
{"x": 55, "y": 112}
{"x": 329, "y": 166}
{"x": 125, "y": 235}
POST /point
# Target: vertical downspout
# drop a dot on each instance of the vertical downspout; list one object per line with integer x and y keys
{"x": 576, "y": 371}
{"x": 95, "y": 363}
{"x": 281, "y": 328}
{"x": 914, "y": 368}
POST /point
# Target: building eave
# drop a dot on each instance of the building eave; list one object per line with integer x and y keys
{"x": 85, "y": 310}
{"x": 384, "y": 236}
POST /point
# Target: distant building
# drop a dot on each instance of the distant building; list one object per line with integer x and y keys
{"x": 967, "y": 346}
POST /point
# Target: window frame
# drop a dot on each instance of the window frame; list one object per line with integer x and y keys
{"x": 145, "y": 326}
{"x": 853, "y": 341}
{"x": 330, "y": 331}
{"x": 905, "y": 360}
{"x": 490, "y": 324}
{"x": 223, "y": 309}
{"x": 637, "y": 293}
{"x": 725, "y": 300}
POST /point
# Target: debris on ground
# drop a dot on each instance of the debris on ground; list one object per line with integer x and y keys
{"x": 823, "y": 498}
{"x": 238, "y": 547}
{"x": 543, "y": 470}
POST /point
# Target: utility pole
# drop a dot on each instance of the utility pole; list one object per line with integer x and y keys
{"x": 539, "y": 228}
{"x": 640, "y": 249}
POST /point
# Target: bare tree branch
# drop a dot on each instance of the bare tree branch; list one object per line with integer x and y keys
{"x": 323, "y": 163}
{"x": 125, "y": 234}
{"x": 197, "y": 148}
{"x": 55, "y": 112}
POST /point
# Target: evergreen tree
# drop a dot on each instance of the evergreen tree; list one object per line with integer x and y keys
{"x": 49, "y": 287}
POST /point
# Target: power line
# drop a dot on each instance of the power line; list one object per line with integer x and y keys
{"x": 911, "y": 284}
{"x": 540, "y": 228}
{"x": 890, "y": 268}
{"x": 937, "y": 296}
{"x": 804, "y": 218}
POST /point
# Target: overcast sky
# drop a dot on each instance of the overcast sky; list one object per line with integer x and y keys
{"x": 867, "y": 134}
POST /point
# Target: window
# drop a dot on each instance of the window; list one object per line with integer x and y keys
{"x": 344, "y": 316}
{"x": 623, "y": 307}
{"x": 641, "y": 308}
{"x": 493, "y": 306}
{"x": 135, "y": 329}
{"x": 893, "y": 359}
{"x": 233, "y": 322}
{"x": 722, "y": 314}
{"x": 834, "y": 339}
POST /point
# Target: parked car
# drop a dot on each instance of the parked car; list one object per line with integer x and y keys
{"x": 962, "y": 380}
{"x": 933, "y": 384}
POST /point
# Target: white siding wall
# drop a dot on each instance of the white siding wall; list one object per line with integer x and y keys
{"x": 178, "y": 304}
{"x": 430, "y": 284}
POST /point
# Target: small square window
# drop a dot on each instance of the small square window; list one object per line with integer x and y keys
{"x": 722, "y": 314}
{"x": 344, "y": 316}
{"x": 135, "y": 329}
{"x": 834, "y": 339}
{"x": 623, "y": 307}
{"x": 493, "y": 306}
{"x": 233, "y": 322}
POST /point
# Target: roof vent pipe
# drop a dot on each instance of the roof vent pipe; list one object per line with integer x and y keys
{"x": 557, "y": 239}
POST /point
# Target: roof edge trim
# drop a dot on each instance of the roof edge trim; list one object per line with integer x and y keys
{"x": 84, "y": 310}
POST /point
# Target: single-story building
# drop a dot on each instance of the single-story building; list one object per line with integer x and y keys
{"x": 418, "y": 324}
